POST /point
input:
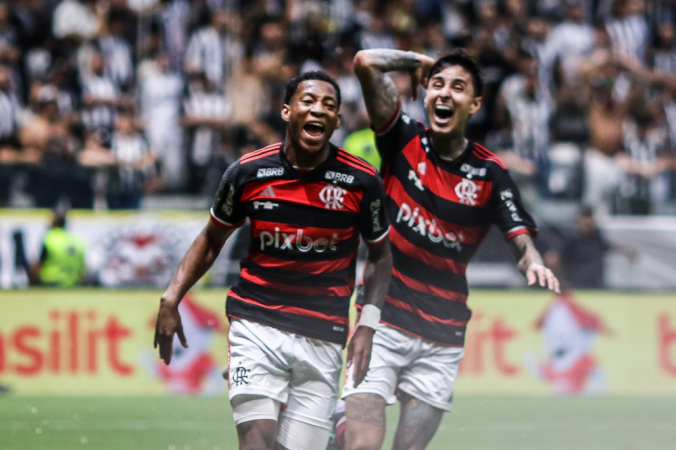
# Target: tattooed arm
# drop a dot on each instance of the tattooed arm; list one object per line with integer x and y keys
{"x": 380, "y": 93}
{"x": 530, "y": 263}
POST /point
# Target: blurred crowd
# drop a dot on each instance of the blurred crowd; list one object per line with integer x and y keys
{"x": 116, "y": 99}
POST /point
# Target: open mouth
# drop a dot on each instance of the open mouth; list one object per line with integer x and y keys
{"x": 314, "y": 129}
{"x": 443, "y": 112}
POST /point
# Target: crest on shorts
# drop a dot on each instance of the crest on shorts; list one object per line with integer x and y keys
{"x": 240, "y": 376}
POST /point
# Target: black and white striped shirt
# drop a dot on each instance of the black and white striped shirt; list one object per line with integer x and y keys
{"x": 205, "y": 140}
{"x": 117, "y": 56}
{"x": 629, "y": 36}
{"x": 214, "y": 54}
{"x": 9, "y": 110}
{"x": 99, "y": 87}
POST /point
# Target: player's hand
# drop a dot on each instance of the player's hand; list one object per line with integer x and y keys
{"x": 168, "y": 323}
{"x": 359, "y": 353}
{"x": 537, "y": 273}
{"x": 420, "y": 75}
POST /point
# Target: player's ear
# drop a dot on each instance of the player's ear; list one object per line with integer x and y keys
{"x": 339, "y": 119}
{"x": 286, "y": 113}
{"x": 476, "y": 105}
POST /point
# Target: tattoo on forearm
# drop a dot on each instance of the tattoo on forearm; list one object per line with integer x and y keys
{"x": 366, "y": 408}
{"x": 380, "y": 93}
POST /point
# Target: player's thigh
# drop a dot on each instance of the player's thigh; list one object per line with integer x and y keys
{"x": 305, "y": 423}
{"x": 392, "y": 350}
{"x": 257, "y": 361}
{"x": 418, "y": 422}
{"x": 432, "y": 375}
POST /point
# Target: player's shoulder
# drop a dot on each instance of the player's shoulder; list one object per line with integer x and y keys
{"x": 483, "y": 161}
{"x": 347, "y": 168}
{"x": 261, "y": 163}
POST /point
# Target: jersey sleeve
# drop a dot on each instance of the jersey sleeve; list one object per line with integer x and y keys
{"x": 509, "y": 213}
{"x": 227, "y": 210}
{"x": 373, "y": 223}
{"x": 391, "y": 139}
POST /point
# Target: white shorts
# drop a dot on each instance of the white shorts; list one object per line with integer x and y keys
{"x": 300, "y": 372}
{"x": 402, "y": 362}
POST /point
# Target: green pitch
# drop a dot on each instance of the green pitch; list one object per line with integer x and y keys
{"x": 481, "y": 423}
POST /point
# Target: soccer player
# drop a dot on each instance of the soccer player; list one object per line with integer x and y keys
{"x": 443, "y": 193}
{"x": 307, "y": 202}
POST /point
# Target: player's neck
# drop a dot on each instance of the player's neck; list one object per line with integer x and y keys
{"x": 301, "y": 158}
{"x": 449, "y": 146}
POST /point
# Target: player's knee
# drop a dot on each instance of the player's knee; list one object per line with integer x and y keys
{"x": 257, "y": 435}
{"x": 365, "y": 414}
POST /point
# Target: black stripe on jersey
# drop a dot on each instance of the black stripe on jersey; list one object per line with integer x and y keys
{"x": 419, "y": 271}
{"x": 326, "y": 279}
{"x": 436, "y": 332}
{"x": 303, "y": 215}
{"x": 293, "y": 323}
{"x": 433, "y": 305}
{"x": 448, "y": 211}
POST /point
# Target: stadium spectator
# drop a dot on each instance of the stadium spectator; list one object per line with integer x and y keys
{"x": 9, "y": 142}
{"x": 62, "y": 259}
{"x": 206, "y": 113}
{"x": 134, "y": 165}
{"x": 160, "y": 92}
{"x": 580, "y": 260}
{"x": 214, "y": 49}
{"x": 289, "y": 309}
{"x": 440, "y": 205}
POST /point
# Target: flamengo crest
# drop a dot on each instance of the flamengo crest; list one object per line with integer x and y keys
{"x": 467, "y": 192}
{"x": 332, "y": 196}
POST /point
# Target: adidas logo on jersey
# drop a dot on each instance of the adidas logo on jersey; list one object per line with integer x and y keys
{"x": 265, "y": 172}
{"x": 413, "y": 176}
{"x": 296, "y": 241}
{"x": 339, "y": 177}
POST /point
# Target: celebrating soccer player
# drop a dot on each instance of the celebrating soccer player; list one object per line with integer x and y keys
{"x": 443, "y": 193}
{"x": 307, "y": 202}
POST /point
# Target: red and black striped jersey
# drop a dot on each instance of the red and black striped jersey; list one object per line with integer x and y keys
{"x": 440, "y": 211}
{"x": 299, "y": 273}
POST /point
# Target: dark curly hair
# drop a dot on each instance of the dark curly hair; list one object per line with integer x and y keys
{"x": 292, "y": 84}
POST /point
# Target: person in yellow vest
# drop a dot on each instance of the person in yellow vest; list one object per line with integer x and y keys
{"x": 362, "y": 143}
{"x": 62, "y": 260}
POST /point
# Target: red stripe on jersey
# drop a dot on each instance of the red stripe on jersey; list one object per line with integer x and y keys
{"x": 467, "y": 235}
{"x": 476, "y": 193}
{"x": 309, "y": 267}
{"x": 410, "y": 250}
{"x": 516, "y": 232}
{"x": 356, "y": 165}
{"x": 283, "y": 234}
{"x": 317, "y": 194}
{"x": 349, "y": 156}
{"x": 326, "y": 291}
{"x": 483, "y": 153}
{"x": 260, "y": 153}
{"x": 429, "y": 289}
{"x": 407, "y": 307}
{"x": 293, "y": 310}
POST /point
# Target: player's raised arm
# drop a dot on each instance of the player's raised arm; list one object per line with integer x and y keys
{"x": 377, "y": 275}
{"x": 197, "y": 260}
{"x": 531, "y": 265}
{"x": 380, "y": 93}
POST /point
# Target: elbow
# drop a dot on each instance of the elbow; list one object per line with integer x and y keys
{"x": 361, "y": 61}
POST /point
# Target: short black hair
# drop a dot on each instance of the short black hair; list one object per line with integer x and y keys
{"x": 460, "y": 57}
{"x": 292, "y": 84}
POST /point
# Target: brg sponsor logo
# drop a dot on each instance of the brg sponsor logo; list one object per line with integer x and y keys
{"x": 428, "y": 228}
{"x": 265, "y": 172}
{"x": 297, "y": 240}
{"x": 339, "y": 177}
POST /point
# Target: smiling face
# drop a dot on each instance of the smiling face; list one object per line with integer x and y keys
{"x": 450, "y": 100}
{"x": 312, "y": 115}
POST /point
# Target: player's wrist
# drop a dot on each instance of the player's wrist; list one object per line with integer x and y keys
{"x": 369, "y": 317}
